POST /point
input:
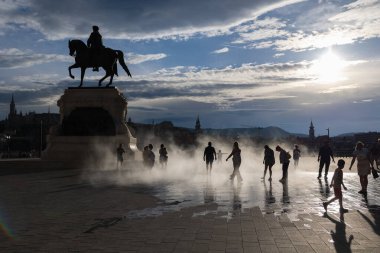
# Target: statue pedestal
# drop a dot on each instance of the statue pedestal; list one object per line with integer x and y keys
{"x": 92, "y": 125}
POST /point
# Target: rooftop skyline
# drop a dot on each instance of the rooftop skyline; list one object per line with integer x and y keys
{"x": 234, "y": 63}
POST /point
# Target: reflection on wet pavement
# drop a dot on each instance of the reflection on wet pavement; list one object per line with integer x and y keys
{"x": 302, "y": 194}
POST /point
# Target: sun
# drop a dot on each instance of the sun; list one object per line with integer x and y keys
{"x": 329, "y": 68}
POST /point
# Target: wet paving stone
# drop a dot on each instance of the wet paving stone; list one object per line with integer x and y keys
{"x": 110, "y": 211}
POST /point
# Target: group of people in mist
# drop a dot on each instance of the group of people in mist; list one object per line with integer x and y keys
{"x": 366, "y": 159}
{"x": 149, "y": 158}
{"x": 210, "y": 155}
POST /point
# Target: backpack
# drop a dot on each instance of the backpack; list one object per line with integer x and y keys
{"x": 288, "y": 155}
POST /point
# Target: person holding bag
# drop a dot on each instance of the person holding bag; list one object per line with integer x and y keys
{"x": 364, "y": 165}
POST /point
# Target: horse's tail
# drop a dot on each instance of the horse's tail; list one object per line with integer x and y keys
{"x": 120, "y": 57}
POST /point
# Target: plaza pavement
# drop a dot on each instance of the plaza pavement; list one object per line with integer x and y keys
{"x": 73, "y": 211}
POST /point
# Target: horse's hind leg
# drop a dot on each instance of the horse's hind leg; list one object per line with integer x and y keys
{"x": 104, "y": 77}
{"x": 111, "y": 78}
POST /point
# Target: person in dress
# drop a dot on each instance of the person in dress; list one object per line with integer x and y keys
{"x": 364, "y": 165}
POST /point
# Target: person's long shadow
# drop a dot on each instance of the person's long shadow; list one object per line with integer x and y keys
{"x": 375, "y": 212}
{"x": 324, "y": 189}
{"x": 341, "y": 244}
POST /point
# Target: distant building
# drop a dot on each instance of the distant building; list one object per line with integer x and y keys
{"x": 368, "y": 139}
{"x": 25, "y": 132}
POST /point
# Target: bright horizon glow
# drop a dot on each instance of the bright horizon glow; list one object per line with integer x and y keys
{"x": 329, "y": 68}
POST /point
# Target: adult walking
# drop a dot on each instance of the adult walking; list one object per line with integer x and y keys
{"x": 284, "y": 160}
{"x": 364, "y": 165}
{"x": 151, "y": 157}
{"x": 324, "y": 155}
{"x": 268, "y": 161}
{"x": 375, "y": 154}
{"x": 163, "y": 156}
{"x": 209, "y": 155}
{"x": 236, "y": 162}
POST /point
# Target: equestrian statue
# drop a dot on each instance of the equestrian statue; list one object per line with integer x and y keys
{"x": 95, "y": 55}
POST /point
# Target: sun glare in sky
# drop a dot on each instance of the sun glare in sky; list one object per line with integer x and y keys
{"x": 329, "y": 68}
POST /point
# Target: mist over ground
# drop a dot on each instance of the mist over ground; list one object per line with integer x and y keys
{"x": 187, "y": 169}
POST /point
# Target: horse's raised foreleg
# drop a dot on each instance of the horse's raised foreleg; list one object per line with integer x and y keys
{"x": 82, "y": 71}
{"x": 75, "y": 65}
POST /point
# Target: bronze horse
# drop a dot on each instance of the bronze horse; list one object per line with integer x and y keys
{"x": 107, "y": 60}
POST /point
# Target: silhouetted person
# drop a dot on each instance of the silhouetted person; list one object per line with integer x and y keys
{"x": 337, "y": 183}
{"x": 284, "y": 160}
{"x": 119, "y": 155}
{"x": 375, "y": 154}
{"x": 151, "y": 156}
{"x": 145, "y": 155}
{"x": 95, "y": 43}
{"x": 163, "y": 156}
{"x": 296, "y": 155}
{"x": 364, "y": 165}
{"x": 236, "y": 162}
{"x": 268, "y": 161}
{"x": 324, "y": 155}
{"x": 209, "y": 155}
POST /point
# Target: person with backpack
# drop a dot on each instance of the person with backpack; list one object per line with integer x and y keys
{"x": 284, "y": 160}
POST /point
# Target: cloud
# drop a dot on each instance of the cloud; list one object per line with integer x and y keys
{"x": 261, "y": 29}
{"x": 278, "y": 55}
{"x": 363, "y": 101}
{"x": 323, "y": 26}
{"x": 133, "y": 58}
{"x": 16, "y": 58}
{"x": 133, "y": 19}
{"x": 339, "y": 88}
{"x": 221, "y": 51}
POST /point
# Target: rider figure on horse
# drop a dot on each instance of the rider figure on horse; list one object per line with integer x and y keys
{"x": 95, "y": 44}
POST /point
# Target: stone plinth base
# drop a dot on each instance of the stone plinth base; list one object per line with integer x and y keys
{"x": 92, "y": 126}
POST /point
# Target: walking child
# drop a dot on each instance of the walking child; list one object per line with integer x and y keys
{"x": 337, "y": 182}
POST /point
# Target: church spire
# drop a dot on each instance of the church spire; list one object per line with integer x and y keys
{"x": 311, "y": 131}
{"x": 198, "y": 125}
{"x": 12, "y": 108}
